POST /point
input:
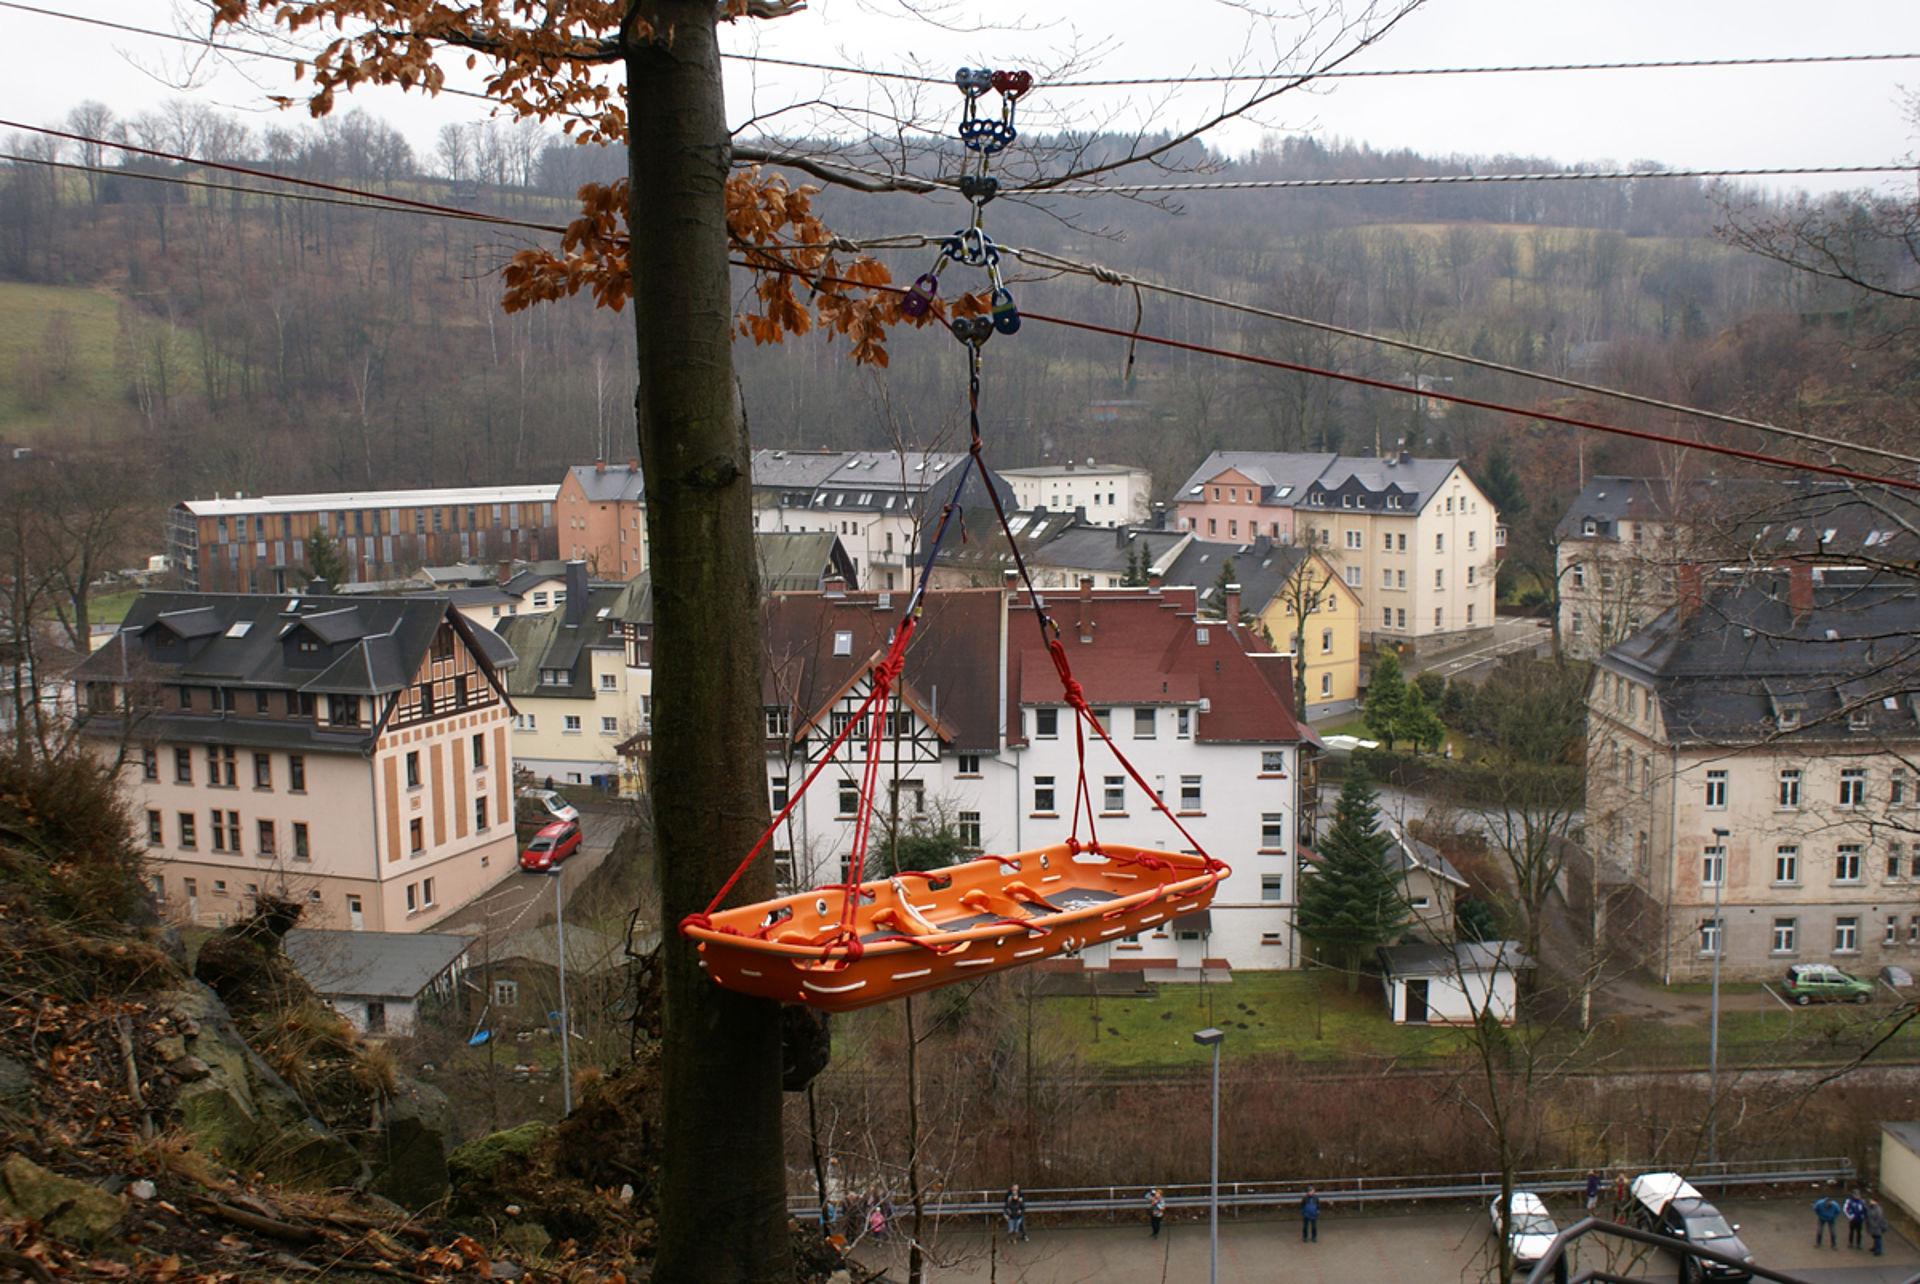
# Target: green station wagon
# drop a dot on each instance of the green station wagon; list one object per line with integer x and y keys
{"x": 1825, "y": 983}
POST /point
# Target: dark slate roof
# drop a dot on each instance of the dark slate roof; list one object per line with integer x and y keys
{"x": 867, "y": 481}
{"x": 1725, "y": 673}
{"x": 1418, "y": 958}
{"x": 1413, "y": 854}
{"x": 1093, "y": 548}
{"x": 546, "y": 641}
{"x": 1262, "y": 569}
{"x": 481, "y": 595}
{"x": 197, "y": 622}
{"x": 1272, "y": 471}
{"x": 610, "y": 483}
{"x": 532, "y": 573}
{"x": 1739, "y": 518}
{"x": 375, "y": 644}
{"x": 390, "y": 965}
{"x": 800, "y": 560}
{"x": 589, "y": 953}
{"x": 1286, "y": 479}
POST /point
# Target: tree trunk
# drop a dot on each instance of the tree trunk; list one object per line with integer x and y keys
{"x": 723, "y": 1204}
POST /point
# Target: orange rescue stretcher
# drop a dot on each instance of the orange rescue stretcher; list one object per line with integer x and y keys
{"x": 919, "y": 931}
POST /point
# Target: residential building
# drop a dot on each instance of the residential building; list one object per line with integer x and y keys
{"x": 602, "y": 512}
{"x": 1201, "y": 708}
{"x": 1062, "y": 551}
{"x": 258, "y": 544}
{"x": 1430, "y": 883}
{"x": 379, "y": 981}
{"x": 876, "y": 501}
{"x": 801, "y": 562}
{"x": 1620, "y": 545}
{"x": 575, "y": 701}
{"x": 1752, "y": 750}
{"x": 1282, "y": 585}
{"x": 1415, "y": 539}
{"x": 1108, "y": 494}
{"x": 349, "y": 752}
{"x": 536, "y": 587}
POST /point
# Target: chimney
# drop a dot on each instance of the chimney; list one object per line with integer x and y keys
{"x": 1086, "y": 608}
{"x": 1800, "y": 589}
{"x": 1406, "y": 456}
{"x": 1153, "y": 581}
{"x": 834, "y": 586}
{"x": 576, "y": 592}
{"x": 1689, "y": 597}
{"x": 1120, "y": 537}
{"x": 1010, "y": 580}
{"x": 599, "y": 465}
{"x": 1233, "y": 605}
{"x": 503, "y": 571}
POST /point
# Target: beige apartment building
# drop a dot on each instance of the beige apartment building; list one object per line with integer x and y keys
{"x": 351, "y": 753}
{"x": 1754, "y": 746}
{"x": 1415, "y": 539}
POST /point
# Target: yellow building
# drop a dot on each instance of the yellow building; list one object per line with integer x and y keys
{"x": 1297, "y": 598}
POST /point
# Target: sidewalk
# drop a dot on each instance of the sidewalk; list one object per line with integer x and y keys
{"x": 1419, "y": 1248}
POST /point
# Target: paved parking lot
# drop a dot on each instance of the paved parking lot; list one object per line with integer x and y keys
{"x": 1419, "y": 1248}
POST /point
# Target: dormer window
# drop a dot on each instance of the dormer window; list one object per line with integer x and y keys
{"x": 307, "y": 644}
{"x": 1589, "y": 527}
{"x": 1789, "y": 719}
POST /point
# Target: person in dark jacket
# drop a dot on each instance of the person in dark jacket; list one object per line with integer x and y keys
{"x": 1827, "y": 1213}
{"x": 1015, "y": 1210}
{"x": 1310, "y": 1218}
{"x": 1856, "y": 1212}
{"x": 1156, "y": 1210}
{"x": 1876, "y": 1225}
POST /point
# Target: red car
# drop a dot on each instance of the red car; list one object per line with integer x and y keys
{"x": 553, "y": 844}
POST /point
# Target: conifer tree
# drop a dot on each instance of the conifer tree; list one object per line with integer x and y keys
{"x": 325, "y": 560}
{"x": 1386, "y": 704}
{"x": 1352, "y": 900}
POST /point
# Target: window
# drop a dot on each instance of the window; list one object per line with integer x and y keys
{"x": 1790, "y": 787}
{"x": 413, "y": 769}
{"x": 1353, "y": 539}
{"x": 1786, "y": 865}
{"x": 778, "y": 791}
{"x": 1400, "y": 579}
{"x": 1913, "y": 930}
{"x": 1043, "y": 793}
{"x": 506, "y": 993}
{"x": 189, "y": 837}
{"x": 297, "y": 772}
{"x": 150, "y": 764}
{"x": 609, "y": 682}
{"x": 1326, "y": 686}
{"x": 413, "y": 897}
{"x": 220, "y": 831}
{"x": 1440, "y": 541}
{"x": 1403, "y": 542}
{"x": 263, "y": 771}
{"x": 1103, "y": 717}
{"x": 969, "y": 764}
{"x": 1846, "y": 863}
{"x": 1897, "y": 787}
{"x": 479, "y": 750}
{"x": 300, "y": 849}
{"x": 849, "y": 798}
{"x": 967, "y": 829}
{"x": 1717, "y": 790}
{"x": 264, "y": 832}
{"x": 1387, "y": 537}
{"x": 1189, "y": 793}
{"x": 1853, "y": 786}
{"x": 1386, "y": 617}
{"x": 1473, "y": 541}
{"x": 1273, "y": 762}
{"x": 1386, "y": 578}
{"x": 1326, "y": 641}
{"x": 573, "y": 724}
{"x": 1893, "y": 930}
{"x": 156, "y": 836}
{"x": 1403, "y": 617}
{"x": 1894, "y": 861}
{"x": 480, "y": 813}
{"x": 1785, "y": 931}
{"x": 183, "y": 766}
{"x": 843, "y": 642}
{"x": 1046, "y": 724}
{"x": 426, "y": 893}
{"x": 1183, "y": 723}
{"x": 1713, "y": 867}
{"x": 185, "y": 696}
{"x": 343, "y": 710}
{"x": 1439, "y": 578}
{"x": 1710, "y": 935}
{"x": 1846, "y": 934}
{"x": 1579, "y": 577}
{"x": 191, "y": 886}
{"x": 416, "y": 835}
{"x": 1113, "y": 796}
{"x": 1273, "y": 831}
{"x": 1145, "y": 722}
{"x": 609, "y": 726}
{"x": 778, "y": 724}
{"x": 540, "y": 599}
{"x": 1273, "y": 887}
{"x": 221, "y": 763}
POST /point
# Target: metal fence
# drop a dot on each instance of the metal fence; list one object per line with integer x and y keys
{"x": 1085, "y": 1203}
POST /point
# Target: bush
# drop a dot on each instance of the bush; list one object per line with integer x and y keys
{"x": 66, "y": 836}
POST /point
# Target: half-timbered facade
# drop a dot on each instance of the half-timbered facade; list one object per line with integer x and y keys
{"x": 349, "y": 752}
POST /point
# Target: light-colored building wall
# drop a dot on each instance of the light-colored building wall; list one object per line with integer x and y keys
{"x": 572, "y": 740}
{"x": 1229, "y": 508}
{"x": 609, "y": 534}
{"x": 1329, "y": 654}
{"x": 1112, "y": 495}
{"x": 881, "y": 544}
{"x": 1610, "y": 587}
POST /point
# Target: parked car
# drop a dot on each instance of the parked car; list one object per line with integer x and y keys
{"x": 1825, "y": 983}
{"x": 551, "y": 803}
{"x": 553, "y": 844}
{"x": 1533, "y": 1228}
{"x": 1667, "y": 1204}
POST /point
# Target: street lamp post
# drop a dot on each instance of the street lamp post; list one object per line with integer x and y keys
{"x": 560, "y": 958}
{"x": 1210, "y": 1038}
{"x": 1720, "y": 837}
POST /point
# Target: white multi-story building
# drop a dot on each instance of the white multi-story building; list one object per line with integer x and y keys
{"x": 1415, "y": 539}
{"x": 1109, "y": 494}
{"x": 349, "y": 752}
{"x": 984, "y": 744}
{"x": 1755, "y": 748}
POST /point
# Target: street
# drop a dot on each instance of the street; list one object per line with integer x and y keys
{"x": 518, "y": 899}
{"x": 1511, "y": 636}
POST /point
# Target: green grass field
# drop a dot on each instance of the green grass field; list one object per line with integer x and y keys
{"x": 47, "y": 376}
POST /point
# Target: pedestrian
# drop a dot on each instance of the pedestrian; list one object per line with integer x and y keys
{"x": 1828, "y": 1213}
{"x": 1593, "y": 1189}
{"x": 1622, "y": 1197}
{"x": 1310, "y": 1218}
{"x": 1876, "y": 1225}
{"x": 1856, "y": 1210}
{"x": 877, "y": 1223}
{"x": 1015, "y": 1211}
{"x": 1156, "y": 1210}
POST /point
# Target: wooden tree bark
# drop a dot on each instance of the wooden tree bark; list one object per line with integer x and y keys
{"x": 723, "y": 1206}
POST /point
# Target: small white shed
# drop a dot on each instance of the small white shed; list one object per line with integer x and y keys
{"x": 376, "y": 980}
{"x": 1447, "y": 984}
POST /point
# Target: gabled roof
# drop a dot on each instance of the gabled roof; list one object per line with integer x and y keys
{"x": 546, "y": 642}
{"x": 195, "y": 622}
{"x": 1740, "y": 518}
{"x": 1262, "y": 569}
{"x": 379, "y": 965}
{"x": 800, "y": 560}
{"x": 533, "y": 573}
{"x": 1282, "y": 477}
{"x": 1103, "y": 549}
{"x": 1412, "y": 854}
{"x": 611, "y": 483}
{"x": 1418, "y": 958}
{"x": 1285, "y": 479}
{"x": 1725, "y": 672}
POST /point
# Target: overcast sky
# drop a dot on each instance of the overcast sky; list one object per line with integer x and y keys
{"x": 1705, "y": 118}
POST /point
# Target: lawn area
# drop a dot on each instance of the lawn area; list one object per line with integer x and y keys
{"x": 111, "y": 608}
{"x": 48, "y": 381}
{"x": 1309, "y": 1016}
